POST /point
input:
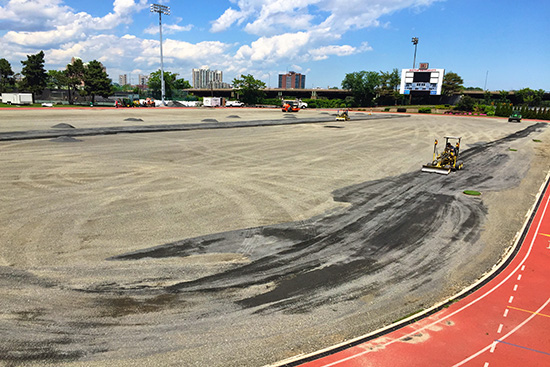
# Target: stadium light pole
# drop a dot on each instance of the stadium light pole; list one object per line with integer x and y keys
{"x": 161, "y": 9}
{"x": 415, "y": 43}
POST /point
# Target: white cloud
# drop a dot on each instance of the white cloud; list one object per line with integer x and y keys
{"x": 227, "y": 19}
{"x": 287, "y": 45}
{"x": 325, "y": 52}
{"x": 168, "y": 28}
{"x": 266, "y": 18}
{"x": 290, "y": 32}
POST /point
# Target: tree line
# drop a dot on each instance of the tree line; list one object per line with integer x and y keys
{"x": 84, "y": 79}
{"x": 368, "y": 88}
{"x": 89, "y": 79}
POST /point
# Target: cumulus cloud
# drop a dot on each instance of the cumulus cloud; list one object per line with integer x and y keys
{"x": 168, "y": 28}
{"x": 278, "y": 32}
{"x": 265, "y": 18}
{"x": 31, "y": 23}
{"x": 324, "y": 52}
{"x": 227, "y": 19}
{"x": 281, "y": 46}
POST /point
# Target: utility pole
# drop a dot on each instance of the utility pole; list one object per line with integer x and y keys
{"x": 415, "y": 43}
{"x": 161, "y": 9}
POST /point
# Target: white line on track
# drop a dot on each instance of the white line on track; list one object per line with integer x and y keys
{"x": 522, "y": 266}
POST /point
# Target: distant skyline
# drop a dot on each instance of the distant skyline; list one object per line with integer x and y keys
{"x": 500, "y": 45}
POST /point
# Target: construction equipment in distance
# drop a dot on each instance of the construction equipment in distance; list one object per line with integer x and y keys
{"x": 344, "y": 116}
{"x": 290, "y": 106}
{"x": 447, "y": 161}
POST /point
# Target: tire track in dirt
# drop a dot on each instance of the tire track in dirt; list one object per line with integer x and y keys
{"x": 314, "y": 261}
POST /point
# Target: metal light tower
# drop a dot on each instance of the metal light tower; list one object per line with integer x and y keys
{"x": 161, "y": 9}
{"x": 415, "y": 43}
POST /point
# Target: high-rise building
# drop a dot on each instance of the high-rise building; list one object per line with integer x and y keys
{"x": 292, "y": 80}
{"x": 143, "y": 79}
{"x": 204, "y": 78}
{"x": 123, "y": 79}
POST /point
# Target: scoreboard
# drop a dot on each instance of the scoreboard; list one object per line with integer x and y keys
{"x": 421, "y": 80}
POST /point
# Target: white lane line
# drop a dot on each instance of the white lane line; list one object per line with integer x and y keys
{"x": 519, "y": 277}
{"x": 505, "y": 336}
{"x": 500, "y": 329}
{"x": 515, "y": 287}
{"x": 511, "y": 299}
{"x": 505, "y": 312}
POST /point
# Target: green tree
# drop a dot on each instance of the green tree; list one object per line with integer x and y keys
{"x": 487, "y": 97}
{"x": 538, "y": 96}
{"x": 503, "y": 98}
{"x": 466, "y": 104}
{"x": 171, "y": 84}
{"x": 96, "y": 80}
{"x": 7, "y": 82}
{"x": 75, "y": 76}
{"x": 363, "y": 86}
{"x": 529, "y": 97}
{"x": 35, "y": 76}
{"x": 452, "y": 84}
{"x": 389, "y": 87}
{"x": 57, "y": 79}
{"x": 250, "y": 90}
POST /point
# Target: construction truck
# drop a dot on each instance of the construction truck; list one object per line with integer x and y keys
{"x": 448, "y": 160}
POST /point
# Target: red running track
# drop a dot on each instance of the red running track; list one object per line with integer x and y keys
{"x": 504, "y": 323}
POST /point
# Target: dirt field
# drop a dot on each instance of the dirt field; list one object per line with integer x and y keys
{"x": 243, "y": 246}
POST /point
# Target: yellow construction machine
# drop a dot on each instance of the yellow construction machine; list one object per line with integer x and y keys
{"x": 344, "y": 116}
{"x": 447, "y": 161}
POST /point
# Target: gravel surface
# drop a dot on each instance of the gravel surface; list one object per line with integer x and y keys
{"x": 243, "y": 246}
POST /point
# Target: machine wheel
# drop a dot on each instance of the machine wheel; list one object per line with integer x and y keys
{"x": 459, "y": 165}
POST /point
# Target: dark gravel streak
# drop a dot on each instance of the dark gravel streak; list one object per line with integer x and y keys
{"x": 418, "y": 221}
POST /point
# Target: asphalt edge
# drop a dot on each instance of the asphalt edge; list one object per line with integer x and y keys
{"x": 507, "y": 257}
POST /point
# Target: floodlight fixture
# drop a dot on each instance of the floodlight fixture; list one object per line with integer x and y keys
{"x": 161, "y": 9}
{"x": 157, "y": 8}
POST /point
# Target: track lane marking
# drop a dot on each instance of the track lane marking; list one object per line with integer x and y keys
{"x": 522, "y": 347}
{"x": 492, "y": 346}
{"x": 520, "y": 309}
{"x": 522, "y": 267}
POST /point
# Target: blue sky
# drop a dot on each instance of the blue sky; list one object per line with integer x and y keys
{"x": 502, "y": 45}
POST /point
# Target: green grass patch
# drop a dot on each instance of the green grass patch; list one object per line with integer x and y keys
{"x": 537, "y": 140}
{"x": 472, "y": 192}
{"x": 512, "y": 149}
{"x": 407, "y": 316}
{"x": 18, "y": 106}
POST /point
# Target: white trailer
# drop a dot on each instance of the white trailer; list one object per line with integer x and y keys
{"x": 17, "y": 98}
{"x": 213, "y": 101}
